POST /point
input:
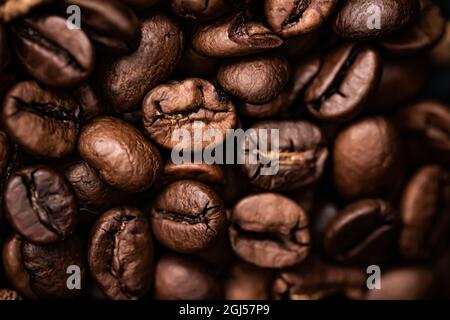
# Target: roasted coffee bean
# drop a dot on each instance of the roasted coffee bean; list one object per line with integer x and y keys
{"x": 293, "y": 18}
{"x": 270, "y": 231}
{"x": 300, "y": 159}
{"x": 187, "y": 216}
{"x": 367, "y": 158}
{"x": 255, "y": 79}
{"x": 202, "y": 172}
{"x": 109, "y": 23}
{"x": 51, "y": 52}
{"x": 126, "y": 80}
{"x": 40, "y": 204}
{"x": 41, "y": 121}
{"x": 347, "y": 77}
{"x": 120, "y": 253}
{"x": 423, "y": 34}
{"x": 203, "y": 9}
{"x": 90, "y": 102}
{"x": 315, "y": 279}
{"x": 180, "y": 277}
{"x": 247, "y": 282}
{"x": 5, "y": 152}
{"x": 425, "y": 212}
{"x": 189, "y": 105}
{"x": 123, "y": 157}
{"x": 41, "y": 271}
{"x": 362, "y": 20}
{"x": 233, "y": 36}
{"x": 362, "y": 233}
{"x": 13, "y": 9}
{"x": 6, "y": 294}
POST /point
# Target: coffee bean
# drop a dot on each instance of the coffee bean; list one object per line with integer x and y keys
{"x": 6, "y": 294}
{"x": 270, "y": 231}
{"x": 120, "y": 253}
{"x": 5, "y": 152}
{"x": 91, "y": 103}
{"x": 441, "y": 52}
{"x": 51, "y": 52}
{"x": 123, "y": 157}
{"x": 202, "y": 172}
{"x": 201, "y": 9}
{"x": 193, "y": 64}
{"x": 187, "y": 216}
{"x": 10, "y": 10}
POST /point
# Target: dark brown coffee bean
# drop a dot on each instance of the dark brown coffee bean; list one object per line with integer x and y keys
{"x": 256, "y": 79}
{"x": 5, "y": 152}
{"x": 425, "y": 212}
{"x": 362, "y": 20}
{"x": 202, "y": 172}
{"x": 292, "y": 18}
{"x": 109, "y": 23}
{"x": 180, "y": 277}
{"x": 193, "y": 64}
{"x": 51, "y": 52}
{"x": 186, "y": 105}
{"x": 300, "y": 159}
{"x": 40, "y": 205}
{"x": 316, "y": 279}
{"x": 362, "y": 233}
{"x": 188, "y": 216}
{"x": 233, "y": 36}
{"x": 41, "y": 271}
{"x": 441, "y": 52}
{"x": 203, "y": 9}
{"x": 270, "y": 231}
{"x": 126, "y": 80}
{"x": 13, "y": 9}
{"x": 123, "y": 157}
{"x": 347, "y": 77}
{"x": 6, "y": 294}
{"x": 247, "y": 282}
{"x": 120, "y": 253}
{"x": 367, "y": 158}
{"x": 422, "y": 35}
{"x": 43, "y": 122}
{"x": 90, "y": 102}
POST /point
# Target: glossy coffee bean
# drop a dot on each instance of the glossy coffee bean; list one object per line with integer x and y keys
{"x": 10, "y": 10}
{"x": 203, "y": 10}
{"x": 316, "y": 279}
{"x": 425, "y": 212}
{"x": 300, "y": 159}
{"x": 362, "y": 233}
{"x": 270, "y": 231}
{"x": 233, "y": 36}
{"x": 189, "y": 105}
{"x": 126, "y": 80}
{"x": 293, "y": 18}
{"x": 187, "y": 216}
{"x": 41, "y": 271}
{"x": 51, "y": 52}
{"x": 347, "y": 77}
{"x": 109, "y": 23}
{"x": 180, "y": 277}
{"x": 120, "y": 253}
{"x": 367, "y": 158}
{"x": 202, "y": 172}
{"x": 41, "y": 121}
{"x": 362, "y": 20}
{"x": 255, "y": 79}
{"x": 40, "y": 204}
{"x": 123, "y": 157}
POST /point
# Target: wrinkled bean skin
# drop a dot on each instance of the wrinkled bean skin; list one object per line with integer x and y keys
{"x": 124, "y": 158}
{"x": 120, "y": 253}
{"x": 126, "y": 80}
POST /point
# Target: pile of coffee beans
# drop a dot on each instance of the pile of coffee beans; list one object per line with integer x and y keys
{"x": 352, "y": 97}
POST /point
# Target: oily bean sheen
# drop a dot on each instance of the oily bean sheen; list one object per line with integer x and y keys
{"x": 173, "y": 107}
{"x": 297, "y": 17}
{"x": 366, "y": 158}
{"x": 126, "y": 80}
{"x": 120, "y": 253}
{"x": 203, "y": 9}
{"x": 270, "y": 231}
{"x": 188, "y": 216}
{"x": 123, "y": 157}
{"x": 233, "y": 36}
{"x": 40, "y": 204}
{"x": 179, "y": 277}
{"x": 357, "y": 19}
{"x": 51, "y": 52}
{"x": 41, "y": 121}
{"x": 362, "y": 233}
{"x": 348, "y": 75}
{"x": 300, "y": 159}
{"x": 109, "y": 23}
{"x": 425, "y": 212}
{"x": 255, "y": 79}
{"x": 41, "y": 271}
